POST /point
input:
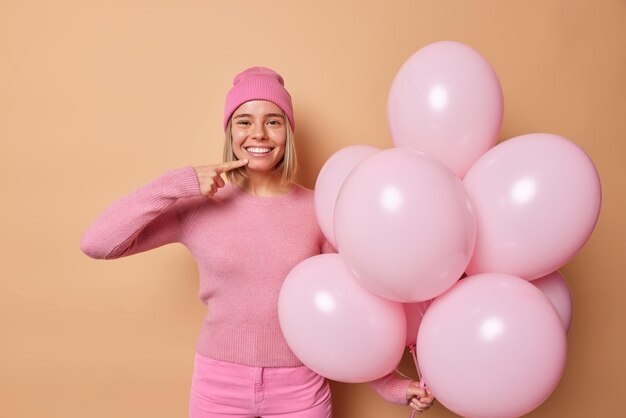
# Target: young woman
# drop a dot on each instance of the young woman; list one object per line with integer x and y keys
{"x": 245, "y": 235}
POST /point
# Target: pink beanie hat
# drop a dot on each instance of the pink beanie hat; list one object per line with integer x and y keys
{"x": 258, "y": 83}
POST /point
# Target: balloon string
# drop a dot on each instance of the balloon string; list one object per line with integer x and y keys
{"x": 417, "y": 366}
{"x": 419, "y": 375}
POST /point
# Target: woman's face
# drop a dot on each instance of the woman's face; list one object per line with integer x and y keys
{"x": 259, "y": 134}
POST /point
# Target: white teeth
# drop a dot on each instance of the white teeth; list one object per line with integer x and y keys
{"x": 259, "y": 150}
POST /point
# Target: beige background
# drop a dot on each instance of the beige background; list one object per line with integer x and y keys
{"x": 99, "y": 97}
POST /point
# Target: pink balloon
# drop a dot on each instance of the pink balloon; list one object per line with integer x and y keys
{"x": 329, "y": 181}
{"x": 537, "y": 200}
{"x": 446, "y": 101}
{"x": 337, "y": 328}
{"x": 555, "y": 288}
{"x": 414, "y": 314}
{"x": 404, "y": 225}
{"x": 493, "y": 346}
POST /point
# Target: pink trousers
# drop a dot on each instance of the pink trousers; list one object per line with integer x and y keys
{"x": 223, "y": 389}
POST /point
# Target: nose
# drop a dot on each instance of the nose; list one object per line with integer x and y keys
{"x": 258, "y": 131}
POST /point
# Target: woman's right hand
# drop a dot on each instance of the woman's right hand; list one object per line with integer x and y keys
{"x": 420, "y": 399}
{"x": 209, "y": 176}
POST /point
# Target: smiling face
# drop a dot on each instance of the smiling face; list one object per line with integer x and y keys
{"x": 259, "y": 134}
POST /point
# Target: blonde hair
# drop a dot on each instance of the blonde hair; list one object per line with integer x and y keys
{"x": 286, "y": 167}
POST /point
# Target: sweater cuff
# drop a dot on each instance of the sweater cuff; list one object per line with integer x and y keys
{"x": 392, "y": 388}
{"x": 182, "y": 181}
{"x": 174, "y": 184}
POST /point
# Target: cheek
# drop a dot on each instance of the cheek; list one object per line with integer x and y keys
{"x": 280, "y": 139}
{"x": 237, "y": 140}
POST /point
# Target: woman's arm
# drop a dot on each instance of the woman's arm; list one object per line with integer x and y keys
{"x": 402, "y": 391}
{"x": 392, "y": 388}
{"x": 147, "y": 218}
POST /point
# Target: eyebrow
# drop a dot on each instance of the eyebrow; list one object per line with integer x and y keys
{"x": 268, "y": 115}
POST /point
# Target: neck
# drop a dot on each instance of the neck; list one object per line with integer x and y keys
{"x": 265, "y": 184}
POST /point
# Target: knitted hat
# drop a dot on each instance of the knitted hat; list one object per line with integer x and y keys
{"x": 258, "y": 83}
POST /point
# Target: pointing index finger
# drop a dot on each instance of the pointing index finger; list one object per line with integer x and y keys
{"x": 231, "y": 165}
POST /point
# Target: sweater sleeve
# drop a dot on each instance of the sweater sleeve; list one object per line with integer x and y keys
{"x": 392, "y": 388}
{"x": 148, "y": 218}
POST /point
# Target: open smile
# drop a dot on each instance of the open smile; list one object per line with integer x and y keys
{"x": 258, "y": 150}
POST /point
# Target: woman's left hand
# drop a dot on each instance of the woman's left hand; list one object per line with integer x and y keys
{"x": 419, "y": 399}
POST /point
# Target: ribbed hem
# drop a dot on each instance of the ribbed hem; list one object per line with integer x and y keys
{"x": 392, "y": 388}
{"x": 258, "y": 88}
{"x": 178, "y": 183}
{"x": 250, "y": 346}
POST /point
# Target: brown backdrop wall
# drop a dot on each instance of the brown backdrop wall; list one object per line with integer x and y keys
{"x": 99, "y": 97}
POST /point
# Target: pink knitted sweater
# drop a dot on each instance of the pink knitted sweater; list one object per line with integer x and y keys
{"x": 244, "y": 247}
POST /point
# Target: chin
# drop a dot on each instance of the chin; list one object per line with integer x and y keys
{"x": 259, "y": 167}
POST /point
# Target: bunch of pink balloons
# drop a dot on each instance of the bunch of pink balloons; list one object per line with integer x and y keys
{"x": 408, "y": 222}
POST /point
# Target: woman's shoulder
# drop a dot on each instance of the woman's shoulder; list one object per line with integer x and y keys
{"x": 303, "y": 193}
{"x": 303, "y": 189}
